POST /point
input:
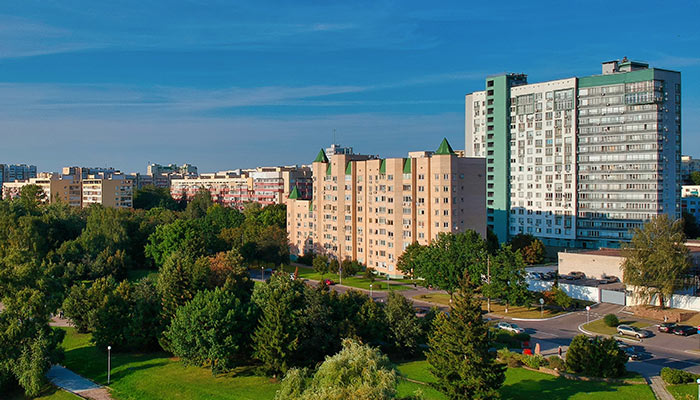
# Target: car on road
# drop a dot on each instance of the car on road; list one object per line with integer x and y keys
{"x": 507, "y": 326}
{"x": 628, "y": 330}
{"x": 329, "y": 282}
{"x": 632, "y": 354}
{"x": 577, "y": 275}
{"x": 684, "y": 330}
{"x": 667, "y": 327}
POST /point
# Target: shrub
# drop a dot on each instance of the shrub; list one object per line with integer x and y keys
{"x": 611, "y": 320}
{"x": 512, "y": 340}
{"x": 534, "y": 361}
{"x": 556, "y": 362}
{"x": 597, "y": 357}
{"x": 510, "y": 358}
{"x": 674, "y": 376}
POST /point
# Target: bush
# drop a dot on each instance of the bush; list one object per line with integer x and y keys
{"x": 306, "y": 259}
{"x": 556, "y": 362}
{"x": 510, "y": 358}
{"x": 596, "y": 357}
{"x": 512, "y": 340}
{"x": 534, "y": 361}
{"x": 674, "y": 376}
{"x": 611, "y": 320}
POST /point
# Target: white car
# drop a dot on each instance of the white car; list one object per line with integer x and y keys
{"x": 506, "y": 326}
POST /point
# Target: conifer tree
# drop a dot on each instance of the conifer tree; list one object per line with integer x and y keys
{"x": 459, "y": 354}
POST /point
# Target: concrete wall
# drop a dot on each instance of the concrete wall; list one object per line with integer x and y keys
{"x": 534, "y": 285}
{"x": 593, "y": 265}
{"x": 581, "y": 292}
{"x": 680, "y": 301}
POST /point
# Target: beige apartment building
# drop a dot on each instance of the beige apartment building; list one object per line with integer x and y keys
{"x": 54, "y": 187}
{"x": 118, "y": 193}
{"x": 370, "y": 209}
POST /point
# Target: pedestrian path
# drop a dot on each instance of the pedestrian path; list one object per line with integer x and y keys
{"x": 74, "y": 383}
{"x": 659, "y": 388}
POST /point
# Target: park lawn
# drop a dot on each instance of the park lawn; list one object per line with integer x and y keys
{"x": 688, "y": 391}
{"x": 156, "y": 376}
{"x": 598, "y": 326}
{"x": 352, "y": 281}
{"x": 525, "y": 384}
{"x": 496, "y": 308}
{"x": 51, "y": 392}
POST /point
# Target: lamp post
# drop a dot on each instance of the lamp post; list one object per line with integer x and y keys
{"x": 340, "y": 275}
{"x": 262, "y": 273}
{"x": 370, "y": 291}
{"x": 698, "y": 381}
{"x": 588, "y": 314}
{"x": 541, "y": 307}
{"x": 109, "y": 363}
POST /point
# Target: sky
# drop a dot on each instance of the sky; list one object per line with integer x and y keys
{"x": 236, "y": 84}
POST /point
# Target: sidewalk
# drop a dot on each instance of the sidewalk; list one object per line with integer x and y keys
{"x": 74, "y": 383}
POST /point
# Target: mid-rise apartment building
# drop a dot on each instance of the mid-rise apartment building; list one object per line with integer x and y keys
{"x": 117, "y": 192}
{"x": 16, "y": 172}
{"x": 370, "y": 209}
{"x": 690, "y": 200}
{"x": 264, "y": 185}
{"x": 688, "y": 165}
{"x": 53, "y": 187}
{"x": 578, "y": 162}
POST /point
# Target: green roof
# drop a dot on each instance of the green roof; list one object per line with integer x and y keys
{"x": 407, "y": 166}
{"x": 348, "y": 169}
{"x": 328, "y": 170}
{"x": 382, "y": 167}
{"x": 311, "y": 206}
{"x": 321, "y": 157}
{"x": 445, "y": 148}
{"x": 294, "y": 194}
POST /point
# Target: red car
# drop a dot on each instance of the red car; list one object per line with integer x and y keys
{"x": 329, "y": 282}
{"x": 667, "y": 327}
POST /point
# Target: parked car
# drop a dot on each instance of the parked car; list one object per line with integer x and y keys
{"x": 632, "y": 331}
{"x": 507, "y": 326}
{"x": 549, "y": 275}
{"x": 577, "y": 275}
{"x": 329, "y": 282}
{"x": 667, "y": 327}
{"x": 608, "y": 279}
{"x": 534, "y": 275}
{"x": 685, "y": 330}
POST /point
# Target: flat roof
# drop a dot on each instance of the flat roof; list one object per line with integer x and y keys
{"x": 693, "y": 248}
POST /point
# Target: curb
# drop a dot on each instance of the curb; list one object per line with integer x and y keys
{"x": 539, "y": 319}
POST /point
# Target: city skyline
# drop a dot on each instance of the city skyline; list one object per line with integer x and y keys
{"x": 227, "y": 87}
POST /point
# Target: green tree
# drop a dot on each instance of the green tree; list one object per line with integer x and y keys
{"x": 404, "y": 328}
{"x": 695, "y": 177}
{"x": 212, "y": 330}
{"x": 690, "y": 226}
{"x": 180, "y": 278}
{"x": 277, "y": 337}
{"x": 227, "y": 270}
{"x": 149, "y": 197}
{"x": 599, "y": 357}
{"x": 507, "y": 278}
{"x": 83, "y": 302}
{"x": 356, "y": 372}
{"x": 459, "y": 355}
{"x": 320, "y": 264}
{"x": 193, "y": 237}
{"x": 656, "y": 259}
{"x": 197, "y": 208}
{"x": 409, "y": 259}
{"x": 318, "y": 329}
{"x": 492, "y": 243}
{"x": 530, "y": 247}
{"x": 359, "y": 317}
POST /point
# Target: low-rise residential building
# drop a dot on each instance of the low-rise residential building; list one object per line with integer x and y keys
{"x": 370, "y": 209}
{"x": 264, "y": 185}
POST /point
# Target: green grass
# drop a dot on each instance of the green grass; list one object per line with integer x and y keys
{"x": 496, "y": 308}
{"x": 598, "y": 326}
{"x": 51, "y": 392}
{"x": 525, "y": 384}
{"x": 136, "y": 275}
{"x": 688, "y": 391}
{"x": 156, "y": 376}
{"x": 352, "y": 281}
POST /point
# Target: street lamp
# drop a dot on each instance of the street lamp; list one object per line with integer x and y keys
{"x": 541, "y": 307}
{"x": 340, "y": 278}
{"x": 698, "y": 381}
{"x": 262, "y": 273}
{"x": 370, "y": 291}
{"x": 588, "y": 314}
{"x": 109, "y": 363}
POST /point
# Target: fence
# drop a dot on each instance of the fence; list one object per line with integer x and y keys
{"x": 579, "y": 292}
{"x": 535, "y": 285}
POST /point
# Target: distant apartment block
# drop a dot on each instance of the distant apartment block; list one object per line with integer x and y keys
{"x": 54, "y": 189}
{"x": 117, "y": 192}
{"x": 578, "y": 162}
{"x": 80, "y": 173}
{"x": 16, "y": 172}
{"x": 162, "y": 175}
{"x": 690, "y": 200}
{"x": 370, "y": 209}
{"x": 689, "y": 165}
{"x": 264, "y": 185}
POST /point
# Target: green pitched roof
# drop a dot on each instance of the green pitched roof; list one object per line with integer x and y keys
{"x": 382, "y": 167}
{"x": 294, "y": 194}
{"x": 445, "y": 148}
{"x": 348, "y": 169}
{"x": 328, "y": 170}
{"x": 321, "y": 157}
{"x": 407, "y": 166}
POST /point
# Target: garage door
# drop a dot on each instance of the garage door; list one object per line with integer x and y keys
{"x": 612, "y": 296}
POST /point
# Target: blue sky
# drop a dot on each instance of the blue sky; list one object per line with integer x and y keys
{"x": 224, "y": 84}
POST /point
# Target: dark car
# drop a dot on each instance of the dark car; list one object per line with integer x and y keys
{"x": 667, "y": 327}
{"x": 577, "y": 275}
{"x": 632, "y": 354}
{"x": 685, "y": 330}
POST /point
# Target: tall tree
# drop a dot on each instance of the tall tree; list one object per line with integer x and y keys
{"x": 405, "y": 330}
{"x": 180, "y": 279}
{"x": 320, "y": 264}
{"x": 197, "y": 208}
{"x": 531, "y": 248}
{"x": 459, "y": 355}
{"x": 409, "y": 259}
{"x": 690, "y": 226}
{"x": 150, "y": 197}
{"x": 656, "y": 259}
{"x": 507, "y": 278}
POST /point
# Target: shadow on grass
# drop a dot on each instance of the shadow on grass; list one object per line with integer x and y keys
{"x": 92, "y": 363}
{"x": 554, "y": 389}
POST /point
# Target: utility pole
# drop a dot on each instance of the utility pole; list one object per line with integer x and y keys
{"x": 488, "y": 281}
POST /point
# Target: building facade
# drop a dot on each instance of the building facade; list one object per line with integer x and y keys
{"x": 53, "y": 187}
{"x": 117, "y": 192}
{"x": 16, "y": 172}
{"x": 370, "y": 209}
{"x": 579, "y": 162}
{"x": 689, "y": 165}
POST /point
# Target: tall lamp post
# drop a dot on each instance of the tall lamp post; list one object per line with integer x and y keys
{"x": 698, "y": 381}
{"x": 262, "y": 273}
{"x": 109, "y": 363}
{"x": 340, "y": 275}
{"x": 588, "y": 314}
{"x": 370, "y": 291}
{"x": 541, "y": 307}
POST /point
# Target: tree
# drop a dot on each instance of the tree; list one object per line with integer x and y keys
{"x": 82, "y": 302}
{"x": 277, "y": 337}
{"x": 531, "y": 248}
{"x": 179, "y": 280}
{"x": 356, "y": 372}
{"x": 197, "y": 208}
{"x": 507, "y": 278}
{"x": 320, "y": 264}
{"x": 599, "y": 357}
{"x": 492, "y": 242}
{"x": 227, "y": 270}
{"x": 656, "y": 259}
{"x": 359, "y": 317}
{"x": 404, "y": 328}
{"x": 318, "y": 329}
{"x": 695, "y": 177}
{"x": 193, "y": 237}
{"x": 149, "y": 197}
{"x": 409, "y": 259}
{"x": 459, "y": 355}
{"x": 690, "y": 226}
{"x": 212, "y": 330}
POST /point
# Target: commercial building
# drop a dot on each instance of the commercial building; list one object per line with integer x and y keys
{"x": 578, "y": 162}
{"x": 53, "y": 186}
{"x": 370, "y": 209}
{"x": 264, "y": 185}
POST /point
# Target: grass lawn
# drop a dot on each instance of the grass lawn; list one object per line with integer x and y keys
{"x": 525, "y": 384}
{"x": 136, "y": 275}
{"x": 496, "y": 308}
{"x": 155, "y": 376}
{"x": 51, "y": 392}
{"x": 353, "y": 281}
{"x": 598, "y": 326}
{"x": 688, "y": 391}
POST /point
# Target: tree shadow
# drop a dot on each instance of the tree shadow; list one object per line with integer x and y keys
{"x": 553, "y": 389}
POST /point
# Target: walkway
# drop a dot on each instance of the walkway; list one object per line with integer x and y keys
{"x": 659, "y": 388}
{"x": 74, "y": 383}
